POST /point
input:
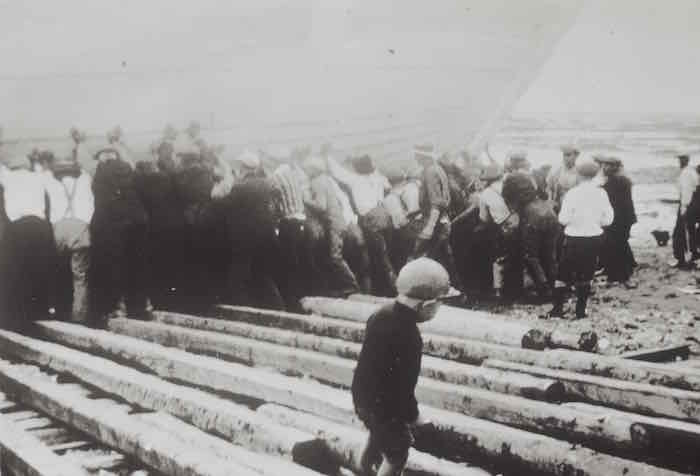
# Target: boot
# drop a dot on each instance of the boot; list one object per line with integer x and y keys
{"x": 582, "y": 293}
{"x": 558, "y": 297}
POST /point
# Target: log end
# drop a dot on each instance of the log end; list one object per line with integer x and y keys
{"x": 534, "y": 339}
{"x": 315, "y": 454}
{"x": 588, "y": 341}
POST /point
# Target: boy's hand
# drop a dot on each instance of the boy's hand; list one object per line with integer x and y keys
{"x": 421, "y": 421}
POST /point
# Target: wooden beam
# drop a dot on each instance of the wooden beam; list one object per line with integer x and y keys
{"x": 635, "y": 397}
{"x": 337, "y": 405}
{"x": 329, "y": 368}
{"x": 346, "y": 444}
{"x": 113, "y": 427}
{"x": 475, "y": 352}
{"x": 495, "y": 446}
{"x": 452, "y": 348}
{"x": 25, "y": 455}
{"x": 480, "y": 325}
{"x": 669, "y": 353}
{"x": 208, "y": 412}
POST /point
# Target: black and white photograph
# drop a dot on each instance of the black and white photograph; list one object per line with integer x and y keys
{"x": 350, "y": 238}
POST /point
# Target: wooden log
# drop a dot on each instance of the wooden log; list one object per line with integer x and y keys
{"x": 673, "y": 442}
{"x": 449, "y": 321}
{"x": 669, "y": 353}
{"x": 113, "y": 427}
{"x": 494, "y": 446}
{"x": 631, "y": 396}
{"x": 452, "y": 320}
{"x": 210, "y": 413}
{"x": 475, "y": 352}
{"x": 328, "y": 367}
{"x": 337, "y": 405}
{"x": 25, "y": 455}
{"x": 265, "y": 465}
{"x": 452, "y": 348}
{"x": 346, "y": 444}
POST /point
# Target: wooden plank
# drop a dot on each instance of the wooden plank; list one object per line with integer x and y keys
{"x": 346, "y": 444}
{"x": 335, "y": 404}
{"x": 208, "y": 412}
{"x": 327, "y": 367}
{"x": 669, "y": 353}
{"x": 499, "y": 447}
{"x": 55, "y": 435}
{"x": 70, "y": 445}
{"x": 631, "y": 396}
{"x": 34, "y": 423}
{"x": 113, "y": 427}
{"x": 97, "y": 461}
{"x": 24, "y": 454}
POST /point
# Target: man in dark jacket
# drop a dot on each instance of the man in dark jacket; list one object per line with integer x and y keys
{"x": 118, "y": 230}
{"x": 389, "y": 364}
{"x": 538, "y": 230}
{"x": 616, "y": 255}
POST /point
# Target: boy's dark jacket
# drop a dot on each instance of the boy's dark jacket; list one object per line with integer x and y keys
{"x": 388, "y": 367}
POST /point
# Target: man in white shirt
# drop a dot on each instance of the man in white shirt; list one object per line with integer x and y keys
{"x": 563, "y": 178}
{"x": 28, "y": 247}
{"x": 585, "y": 210}
{"x": 684, "y": 233}
{"x": 72, "y": 206}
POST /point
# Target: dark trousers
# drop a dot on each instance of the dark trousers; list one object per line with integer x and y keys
{"x": 684, "y": 237}
{"x": 252, "y": 274}
{"x": 340, "y": 278}
{"x": 438, "y": 248}
{"x": 383, "y": 275}
{"x": 29, "y": 271}
{"x": 357, "y": 257}
{"x": 579, "y": 259}
{"x": 166, "y": 251}
{"x": 616, "y": 255}
{"x": 118, "y": 268}
{"x": 296, "y": 268}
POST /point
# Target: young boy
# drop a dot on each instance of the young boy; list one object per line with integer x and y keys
{"x": 389, "y": 363}
{"x": 585, "y": 210}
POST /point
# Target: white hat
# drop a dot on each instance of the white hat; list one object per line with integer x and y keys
{"x": 249, "y": 159}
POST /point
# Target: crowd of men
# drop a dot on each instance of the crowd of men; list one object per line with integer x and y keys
{"x": 90, "y": 235}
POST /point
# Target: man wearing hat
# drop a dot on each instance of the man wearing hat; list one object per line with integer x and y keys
{"x": 434, "y": 239}
{"x": 616, "y": 255}
{"x": 684, "y": 233}
{"x": 383, "y": 385}
{"x": 563, "y": 178}
{"x": 118, "y": 232}
{"x": 72, "y": 207}
{"x": 585, "y": 211}
{"x": 325, "y": 202}
{"x": 28, "y": 247}
{"x": 367, "y": 188}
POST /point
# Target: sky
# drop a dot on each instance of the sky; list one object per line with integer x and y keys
{"x": 623, "y": 56}
{"x": 364, "y": 72}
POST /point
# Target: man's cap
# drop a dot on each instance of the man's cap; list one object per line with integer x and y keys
{"x": 249, "y": 159}
{"x": 107, "y": 150}
{"x": 570, "y": 148}
{"x": 607, "y": 159}
{"x": 587, "y": 167}
{"x": 423, "y": 279}
{"x": 363, "y": 164}
{"x": 491, "y": 172}
{"x": 424, "y": 151}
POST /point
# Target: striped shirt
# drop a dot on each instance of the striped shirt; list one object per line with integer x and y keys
{"x": 290, "y": 183}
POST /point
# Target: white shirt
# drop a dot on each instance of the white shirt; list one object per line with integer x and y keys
{"x": 492, "y": 207}
{"x": 585, "y": 210}
{"x": 367, "y": 190}
{"x": 687, "y": 183}
{"x": 349, "y": 216}
{"x": 24, "y": 192}
{"x": 83, "y": 200}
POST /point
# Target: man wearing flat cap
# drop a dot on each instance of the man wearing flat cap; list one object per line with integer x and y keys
{"x": 434, "y": 239}
{"x": 616, "y": 255}
{"x": 563, "y": 178}
{"x": 685, "y": 233}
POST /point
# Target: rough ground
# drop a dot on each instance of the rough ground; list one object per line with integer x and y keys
{"x": 654, "y": 314}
